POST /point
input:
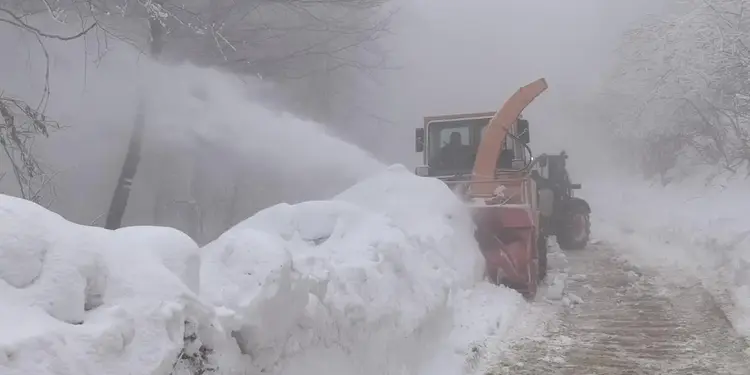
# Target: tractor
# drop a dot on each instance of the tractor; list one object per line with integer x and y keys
{"x": 561, "y": 213}
{"x": 485, "y": 158}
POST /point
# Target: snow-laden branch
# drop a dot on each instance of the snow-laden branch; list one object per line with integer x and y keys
{"x": 20, "y": 123}
{"x": 685, "y": 78}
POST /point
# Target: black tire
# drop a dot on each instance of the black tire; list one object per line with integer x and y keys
{"x": 541, "y": 245}
{"x": 575, "y": 241}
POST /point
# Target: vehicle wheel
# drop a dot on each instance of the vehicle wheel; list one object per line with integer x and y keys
{"x": 528, "y": 296}
{"x": 576, "y": 234}
{"x": 541, "y": 245}
{"x": 530, "y": 293}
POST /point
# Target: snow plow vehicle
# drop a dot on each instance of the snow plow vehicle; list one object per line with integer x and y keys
{"x": 485, "y": 158}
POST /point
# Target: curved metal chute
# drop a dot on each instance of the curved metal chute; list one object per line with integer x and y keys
{"x": 493, "y": 139}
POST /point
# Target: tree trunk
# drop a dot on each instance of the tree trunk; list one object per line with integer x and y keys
{"x": 133, "y": 157}
{"x": 129, "y": 168}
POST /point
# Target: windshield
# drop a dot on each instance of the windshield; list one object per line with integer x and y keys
{"x": 453, "y": 145}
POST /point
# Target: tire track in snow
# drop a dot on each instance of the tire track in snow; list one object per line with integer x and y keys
{"x": 630, "y": 322}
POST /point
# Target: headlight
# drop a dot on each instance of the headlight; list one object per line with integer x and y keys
{"x": 422, "y": 170}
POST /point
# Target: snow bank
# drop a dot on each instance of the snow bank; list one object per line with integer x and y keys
{"x": 699, "y": 231}
{"x": 371, "y": 281}
{"x": 383, "y": 279}
{"x": 84, "y": 300}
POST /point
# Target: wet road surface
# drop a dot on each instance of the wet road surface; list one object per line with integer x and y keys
{"x": 629, "y": 321}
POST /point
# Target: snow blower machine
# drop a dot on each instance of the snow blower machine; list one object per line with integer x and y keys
{"x": 485, "y": 158}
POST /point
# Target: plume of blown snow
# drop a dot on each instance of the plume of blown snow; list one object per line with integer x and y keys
{"x": 203, "y": 127}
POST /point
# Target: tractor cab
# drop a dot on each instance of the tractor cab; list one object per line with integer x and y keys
{"x": 449, "y": 144}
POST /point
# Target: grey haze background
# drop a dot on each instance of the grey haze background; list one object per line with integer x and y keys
{"x": 470, "y": 55}
{"x": 215, "y": 156}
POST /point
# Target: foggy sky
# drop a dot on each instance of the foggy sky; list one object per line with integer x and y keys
{"x": 453, "y": 56}
{"x": 471, "y": 55}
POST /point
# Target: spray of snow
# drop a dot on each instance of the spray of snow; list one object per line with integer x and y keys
{"x": 194, "y": 116}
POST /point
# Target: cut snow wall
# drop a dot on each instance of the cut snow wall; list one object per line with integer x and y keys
{"x": 371, "y": 282}
{"x": 85, "y": 300}
{"x": 367, "y": 277}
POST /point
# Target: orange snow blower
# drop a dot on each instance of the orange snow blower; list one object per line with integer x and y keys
{"x": 485, "y": 158}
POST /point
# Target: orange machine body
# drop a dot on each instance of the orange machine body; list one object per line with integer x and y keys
{"x": 503, "y": 201}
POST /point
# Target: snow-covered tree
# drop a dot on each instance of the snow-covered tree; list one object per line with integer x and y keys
{"x": 678, "y": 94}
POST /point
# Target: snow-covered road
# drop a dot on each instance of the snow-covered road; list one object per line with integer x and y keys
{"x": 630, "y": 320}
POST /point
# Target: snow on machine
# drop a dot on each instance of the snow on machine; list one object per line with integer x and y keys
{"x": 486, "y": 159}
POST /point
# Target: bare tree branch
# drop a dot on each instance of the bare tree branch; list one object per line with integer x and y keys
{"x": 21, "y": 123}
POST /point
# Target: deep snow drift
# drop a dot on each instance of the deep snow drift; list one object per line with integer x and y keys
{"x": 383, "y": 279}
{"x": 686, "y": 228}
